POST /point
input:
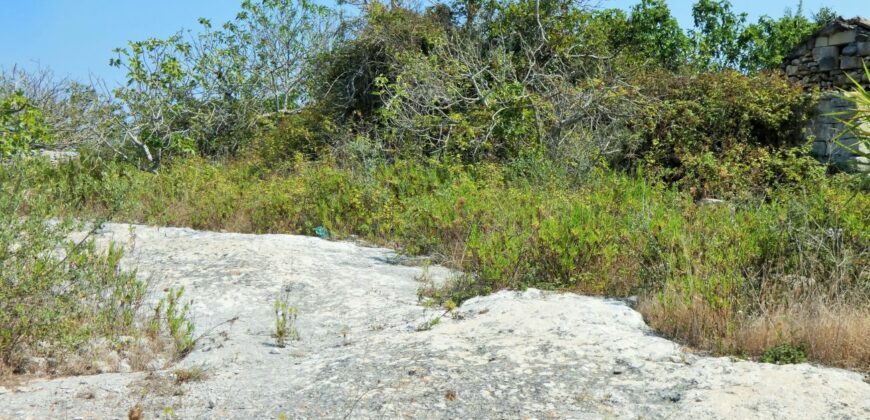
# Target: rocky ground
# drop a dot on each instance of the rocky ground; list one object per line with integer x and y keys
{"x": 368, "y": 349}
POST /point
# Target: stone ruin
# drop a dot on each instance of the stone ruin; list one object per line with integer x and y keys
{"x": 827, "y": 60}
{"x": 835, "y": 51}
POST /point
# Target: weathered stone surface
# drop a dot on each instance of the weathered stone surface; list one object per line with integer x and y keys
{"x": 820, "y": 149}
{"x": 818, "y": 58}
{"x": 825, "y": 52}
{"x": 851, "y": 63}
{"x": 362, "y": 353}
{"x": 850, "y": 50}
{"x": 828, "y": 64}
{"x": 841, "y": 38}
{"x": 792, "y": 70}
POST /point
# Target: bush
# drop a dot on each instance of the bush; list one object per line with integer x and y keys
{"x": 64, "y": 304}
{"x": 56, "y": 294}
{"x": 39, "y": 111}
{"x": 209, "y": 94}
{"x": 784, "y": 354}
{"x": 734, "y": 278}
{"x": 724, "y": 134}
{"x": 376, "y": 45}
{"x": 21, "y": 125}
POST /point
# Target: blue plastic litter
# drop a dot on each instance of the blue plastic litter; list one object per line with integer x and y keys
{"x": 321, "y": 232}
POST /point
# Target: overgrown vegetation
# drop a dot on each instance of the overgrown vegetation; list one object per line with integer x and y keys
{"x": 65, "y": 307}
{"x": 736, "y": 277}
{"x": 858, "y": 122}
{"x": 528, "y": 143}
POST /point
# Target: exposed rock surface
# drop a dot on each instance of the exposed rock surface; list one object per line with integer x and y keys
{"x": 362, "y": 353}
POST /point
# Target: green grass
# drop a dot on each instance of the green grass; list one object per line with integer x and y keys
{"x": 66, "y": 305}
{"x": 720, "y": 277}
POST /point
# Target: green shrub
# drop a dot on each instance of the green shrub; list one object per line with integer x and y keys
{"x": 173, "y": 317}
{"x": 56, "y": 294}
{"x": 784, "y": 354}
{"x": 704, "y": 272}
{"x": 63, "y": 300}
{"x": 724, "y": 134}
{"x": 21, "y": 125}
{"x": 378, "y": 42}
{"x": 210, "y": 93}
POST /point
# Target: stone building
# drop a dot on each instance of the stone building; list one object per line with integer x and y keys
{"x": 826, "y": 60}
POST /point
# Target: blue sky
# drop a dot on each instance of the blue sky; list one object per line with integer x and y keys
{"x": 682, "y": 9}
{"x": 75, "y": 37}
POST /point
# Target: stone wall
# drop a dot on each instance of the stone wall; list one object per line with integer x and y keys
{"x": 826, "y": 61}
{"x": 828, "y": 134}
{"x": 837, "y": 50}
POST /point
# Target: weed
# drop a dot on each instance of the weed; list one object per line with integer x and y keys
{"x": 428, "y": 325}
{"x": 174, "y": 317}
{"x": 197, "y": 373}
{"x": 59, "y": 298}
{"x": 450, "y": 395}
{"x": 285, "y": 322}
{"x": 136, "y": 413}
{"x": 784, "y": 354}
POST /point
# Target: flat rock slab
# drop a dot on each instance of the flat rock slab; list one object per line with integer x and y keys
{"x": 365, "y": 350}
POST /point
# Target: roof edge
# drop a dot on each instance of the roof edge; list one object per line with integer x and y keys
{"x": 837, "y": 25}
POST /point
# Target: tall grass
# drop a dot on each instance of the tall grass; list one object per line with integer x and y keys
{"x": 733, "y": 278}
{"x": 66, "y": 306}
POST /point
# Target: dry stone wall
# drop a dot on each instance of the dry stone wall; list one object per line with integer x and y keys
{"x": 830, "y": 60}
{"x": 829, "y": 134}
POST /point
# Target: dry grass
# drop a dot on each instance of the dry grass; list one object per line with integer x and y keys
{"x": 832, "y": 334}
{"x": 136, "y": 413}
{"x": 191, "y": 374}
{"x": 835, "y": 334}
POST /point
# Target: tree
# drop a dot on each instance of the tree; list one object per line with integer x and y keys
{"x": 207, "y": 93}
{"x": 769, "y": 40}
{"x": 39, "y": 111}
{"x": 718, "y": 37}
{"x": 21, "y": 125}
{"x": 653, "y": 33}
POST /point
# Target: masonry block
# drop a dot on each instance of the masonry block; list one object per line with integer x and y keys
{"x": 850, "y": 49}
{"x": 842, "y": 38}
{"x": 825, "y": 52}
{"x": 851, "y": 63}
{"x": 820, "y": 149}
{"x": 828, "y": 64}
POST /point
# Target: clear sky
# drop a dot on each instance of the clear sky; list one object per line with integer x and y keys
{"x": 75, "y": 37}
